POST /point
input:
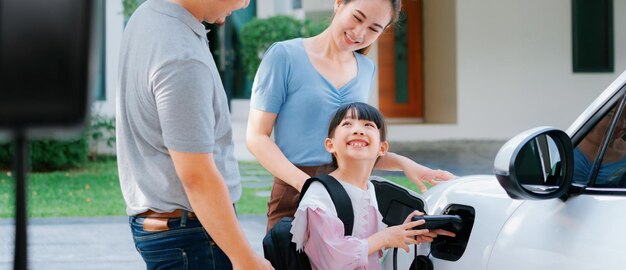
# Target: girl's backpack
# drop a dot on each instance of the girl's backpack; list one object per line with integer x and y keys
{"x": 277, "y": 245}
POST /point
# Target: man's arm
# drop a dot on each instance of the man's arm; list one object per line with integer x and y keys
{"x": 208, "y": 194}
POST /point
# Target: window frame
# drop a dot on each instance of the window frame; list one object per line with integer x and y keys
{"x": 616, "y": 100}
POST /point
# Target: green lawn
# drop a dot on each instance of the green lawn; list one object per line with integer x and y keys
{"x": 94, "y": 191}
{"x": 90, "y": 191}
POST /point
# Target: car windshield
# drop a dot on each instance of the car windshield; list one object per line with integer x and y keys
{"x": 600, "y": 157}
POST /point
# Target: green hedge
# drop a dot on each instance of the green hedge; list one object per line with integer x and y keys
{"x": 5, "y": 155}
{"x": 258, "y": 34}
{"x": 46, "y": 155}
{"x": 129, "y": 7}
{"x": 50, "y": 155}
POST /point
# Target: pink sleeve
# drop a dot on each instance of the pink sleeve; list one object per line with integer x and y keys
{"x": 328, "y": 248}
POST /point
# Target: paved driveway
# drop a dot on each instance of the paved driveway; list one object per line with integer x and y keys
{"x": 91, "y": 243}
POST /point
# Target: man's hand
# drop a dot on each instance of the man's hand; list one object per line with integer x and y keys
{"x": 257, "y": 262}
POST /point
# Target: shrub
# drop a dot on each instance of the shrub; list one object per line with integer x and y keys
{"x": 258, "y": 34}
{"x": 101, "y": 133}
{"x": 48, "y": 155}
{"x": 5, "y": 155}
{"x": 313, "y": 28}
{"x": 129, "y": 7}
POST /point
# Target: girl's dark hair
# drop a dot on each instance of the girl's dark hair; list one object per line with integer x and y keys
{"x": 396, "y": 5}
{"x": 358, "y": 111}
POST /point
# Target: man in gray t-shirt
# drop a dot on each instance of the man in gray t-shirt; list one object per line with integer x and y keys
{"x": 176, "y": 165}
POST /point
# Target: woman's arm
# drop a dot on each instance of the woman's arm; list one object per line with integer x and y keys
{"x": 414, "y": 171}
{"x": 260, "y": 125}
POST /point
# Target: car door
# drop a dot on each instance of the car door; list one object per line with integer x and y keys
{"x": 585, "y": 229}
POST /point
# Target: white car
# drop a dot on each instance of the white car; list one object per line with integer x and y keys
{"x": 557, "y": 200}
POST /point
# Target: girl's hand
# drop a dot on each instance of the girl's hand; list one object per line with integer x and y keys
{"x": 444, "y": 233}
{"x": 429, "y": 236}
{"x": 401, "y": 236}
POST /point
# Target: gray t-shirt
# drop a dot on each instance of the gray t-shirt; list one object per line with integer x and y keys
{"x": 169, "y": 96}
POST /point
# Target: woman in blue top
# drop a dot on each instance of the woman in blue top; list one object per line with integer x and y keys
{"x": 613, "y": 164}
{"x": 299, "y": 86}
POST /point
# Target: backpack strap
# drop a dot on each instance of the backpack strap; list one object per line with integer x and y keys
{"x": 338, "y": 195}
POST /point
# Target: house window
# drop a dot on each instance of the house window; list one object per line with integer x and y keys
{"x": 592, "y": 35}
{"x": 99, "y": 90}
{"x": 296, "y": 4}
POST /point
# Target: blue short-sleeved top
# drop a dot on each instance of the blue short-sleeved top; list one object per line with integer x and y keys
{"x": 287, "y": 84}
{"x": 609, "y": 172}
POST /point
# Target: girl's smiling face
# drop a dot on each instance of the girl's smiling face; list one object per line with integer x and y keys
{"x": 356, "y": 139}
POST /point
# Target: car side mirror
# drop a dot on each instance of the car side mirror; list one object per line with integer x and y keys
{"x": 536, "y": 164}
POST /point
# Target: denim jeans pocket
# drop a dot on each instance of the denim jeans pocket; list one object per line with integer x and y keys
{"x": 173, "y": 258}
{"x": 191, "y": 257}
{"x": 184, "y": 248}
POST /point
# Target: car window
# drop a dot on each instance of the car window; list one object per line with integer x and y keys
{"x": 600, "y": 157}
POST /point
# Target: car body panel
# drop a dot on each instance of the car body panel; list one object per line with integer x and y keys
{"x": 585, "y": 232}
{"x": 525, "y": 234}
{"x": 492, "y": 212}
{"x": 583, "y": 229}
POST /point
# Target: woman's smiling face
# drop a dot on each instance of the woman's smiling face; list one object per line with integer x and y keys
{"x": 358, "y": 23}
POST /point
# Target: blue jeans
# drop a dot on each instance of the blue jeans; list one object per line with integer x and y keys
{"x": 185, "y": 246}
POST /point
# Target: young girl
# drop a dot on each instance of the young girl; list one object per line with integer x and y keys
{"x": 356, "y": 140}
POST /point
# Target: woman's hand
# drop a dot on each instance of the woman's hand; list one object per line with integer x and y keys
{"x": 419, "y": 174}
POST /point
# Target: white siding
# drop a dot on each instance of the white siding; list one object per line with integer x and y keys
{"x": 503, "y": 67}
{"x": 514, "y": 70}
{"x": 268, "y": 8}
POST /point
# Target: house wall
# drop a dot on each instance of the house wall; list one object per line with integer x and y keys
{"x": 268, "y": 8}
{"x": 440, "y": 76}
{"x": 492, "y": 68}
{"x": 318, "y": 5}
{"x": 317, "y": 10}
{"x": 513, "y": 69}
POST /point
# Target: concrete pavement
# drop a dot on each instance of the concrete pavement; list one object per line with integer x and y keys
{"x": 91, "y": 243}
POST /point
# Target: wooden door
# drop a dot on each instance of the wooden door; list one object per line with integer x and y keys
{"x": 400, "y": 74}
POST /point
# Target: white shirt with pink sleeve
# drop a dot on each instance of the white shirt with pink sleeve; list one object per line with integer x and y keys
{"x": 317, "y": 229}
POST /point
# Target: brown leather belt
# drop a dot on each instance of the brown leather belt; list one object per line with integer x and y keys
{"x": 178, "y": 213}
